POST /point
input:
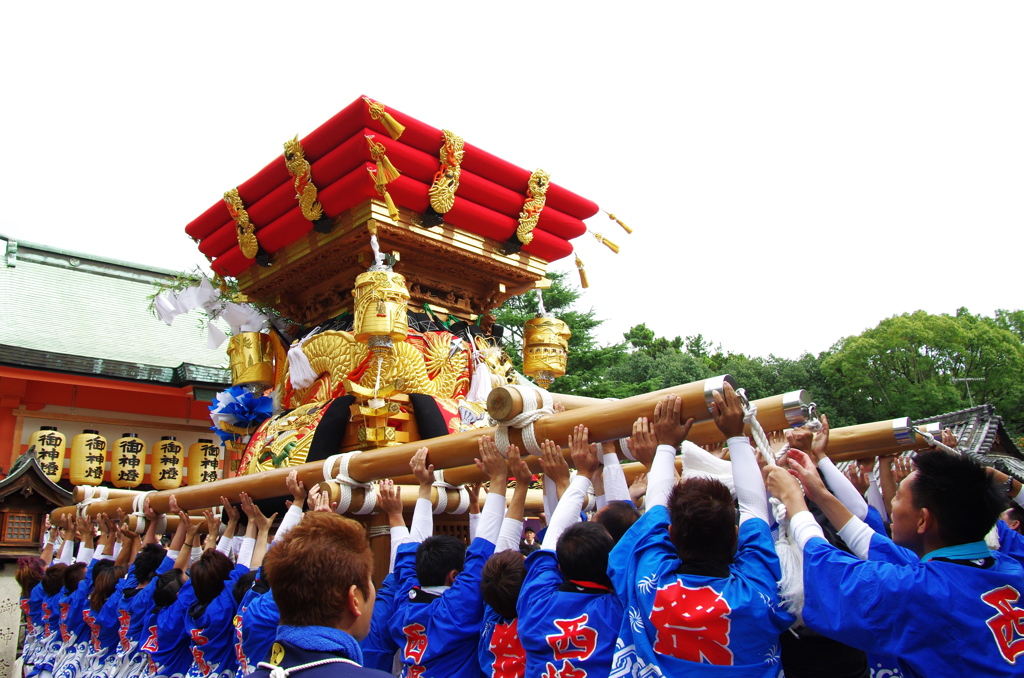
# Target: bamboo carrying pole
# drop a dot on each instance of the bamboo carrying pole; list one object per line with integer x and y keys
{"x": 864, "y": 440}
{"x": 775, "y": 413}
{"x": 608, "y": 420}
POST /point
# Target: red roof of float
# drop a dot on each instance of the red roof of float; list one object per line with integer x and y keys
{"x": 490, "y": 196}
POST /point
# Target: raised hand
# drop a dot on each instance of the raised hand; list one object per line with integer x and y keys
{"x": 518, "y": 468}
{"x": 474, "y": 497}
{"x": 254, "y": 514}
{"x": 642, "y": 443}
{"x": 669, "y": 428}
{"x": 231, "y": 511}
{"x": 802, "y": 440}
{"x": 296, "y": 487}
{"x": 949, "y": 438}
{"x": 492, "y": 463}
{"x": 901, "y": 468}
{"x": 212, "y": 527}
{"x": 172, "y": 505}
{"x": 584, "y": 455}
{"x": 819, "y": 448}
{"x": 423, "y": 471}
{"x": 858, "y": 477}
{"x": 553, "y": 464}
{"x": 727, "y": 411}
{"x": 638, "y": 488}
{"x": 389, "y": 497}
{"x": 785, "y": 488}
{"x": 803, "y": 467}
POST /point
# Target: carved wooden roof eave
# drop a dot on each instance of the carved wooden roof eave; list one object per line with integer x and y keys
{"x": 312, "y": 278}
{"x": 30, "y": 476}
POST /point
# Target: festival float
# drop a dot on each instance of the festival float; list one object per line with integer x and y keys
{"x": 358, "y": 271}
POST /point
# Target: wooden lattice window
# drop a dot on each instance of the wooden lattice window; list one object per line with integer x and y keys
{"x": 19, "y": 527}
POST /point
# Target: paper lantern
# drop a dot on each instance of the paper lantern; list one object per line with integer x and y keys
{"x": 49, "y": 444}
{"x": 252, "y": 359}
{"x": 166, "y": 464}
{"x": 203, "y": 460}
{"x": 545, "y": 349}
{"x": 381, "y": 309}
{"x": 127, "y": 461}
{"x": 88, "y": 455}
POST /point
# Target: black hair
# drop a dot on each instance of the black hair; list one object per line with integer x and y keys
{"x": 72, "y": 575}
{"x": 1017, "y": 513}
{"x": 242, "y": 585}
{"x": 703, "y": 519}
{"x": 146, "y": 562}
{"x": 958, "y": 491}
{"x": 53, "y": 579}
{"x": 436, "y": 557}
{"x": 501, "y": 580}
{"x": 167, "y": 586}
{"x": 209, "y": 574}
{"x": 582, "y": 552}
{"x": 617, "y": 517}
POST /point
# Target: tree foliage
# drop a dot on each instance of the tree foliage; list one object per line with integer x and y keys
{"x": 911, "y": 365}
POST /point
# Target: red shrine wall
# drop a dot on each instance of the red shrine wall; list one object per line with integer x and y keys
{"x": 30, "y": 399}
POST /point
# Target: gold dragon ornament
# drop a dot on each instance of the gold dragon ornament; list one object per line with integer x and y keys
{"x": 302, "y": 173}
{"x": 537, "y": 190}
{"x": 247, "y": 241}
{"x": 446, "y": 181}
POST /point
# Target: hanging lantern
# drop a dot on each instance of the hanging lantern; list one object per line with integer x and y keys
{"x": 252, "y": 359}
{"x": 50, "y": 445}
{"x": 545, "y": 349}
{"x": 166, "y": 463}
{"x": 127, "y": 461}
{"x": 203, "y": 460}
{"x": 88, "y": 455}
{"x": 381, "y": 309}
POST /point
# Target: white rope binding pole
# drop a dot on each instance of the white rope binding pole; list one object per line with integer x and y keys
{"x": 791, "y": 557}
{"x": 346, "y": 483}
{"x": 524, "y": 420}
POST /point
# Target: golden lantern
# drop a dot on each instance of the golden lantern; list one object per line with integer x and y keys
{"x": 49, "y": 444}
{"x": 381, "y": 309}
{"x": 127, "y": 461}
{"x": 88, "y": 455}
{"x": 203, "y": 460}
{"x": 166, "y": 463}
{"x": 545, "y": 349}
{"x": 252, "y": 359}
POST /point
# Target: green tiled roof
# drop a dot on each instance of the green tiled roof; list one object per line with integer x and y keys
{"x": 72, "y": 306}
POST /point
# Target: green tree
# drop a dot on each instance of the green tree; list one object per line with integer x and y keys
{"x": 909, "y": 366}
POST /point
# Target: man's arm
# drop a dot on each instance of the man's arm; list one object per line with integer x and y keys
{"x": 567, "y": 513}
{"x": 491, "y": 463}
{"x": 389, "y": 498}
{"x": 512, "y": 525}
{"x": 727, "y": 411}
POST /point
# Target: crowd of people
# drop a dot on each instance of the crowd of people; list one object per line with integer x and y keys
{"x": 776, "y": 563}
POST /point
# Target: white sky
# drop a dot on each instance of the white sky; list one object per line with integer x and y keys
{"x": 794, "y": 171}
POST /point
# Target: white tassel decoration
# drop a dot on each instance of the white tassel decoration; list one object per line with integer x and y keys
{"x": 299, "y": 370}
{"x": 480, "y": 386}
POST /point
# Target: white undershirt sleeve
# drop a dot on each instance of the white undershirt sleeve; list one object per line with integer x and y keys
{"x": 875, "y": 497}
{"x": 245, "y": 550}
{"x": 422, "y": 521}
{"x": 662, "y": 476}
{"x": 550, "y": 497}
{"x": 474, "y": 523}
{"x": 615, "y": 486}
{"x": 857, "y": 536}
{"x": 1020, "y": 497}
{"x": 511, "y": 535}
{"x": 491, "y": 516}
{"x": 567, "y": 513}
{"x": 399, "y": 535}
{"x": 804, "y": 527}
{"x": 843, "y": 489}
{"x": 747, "y": 479}
{"x": 291, "y": 518}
